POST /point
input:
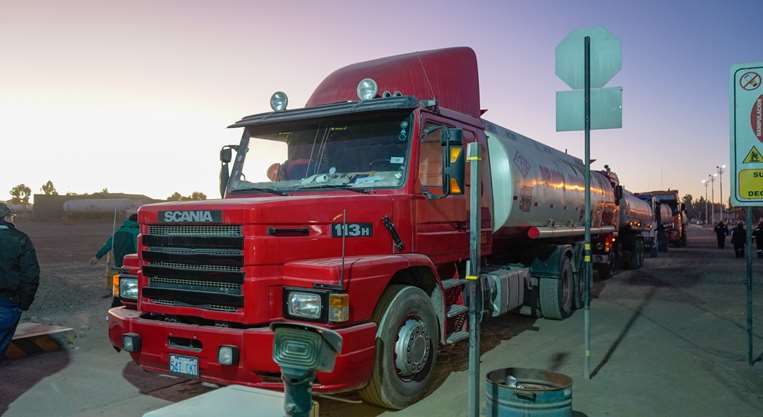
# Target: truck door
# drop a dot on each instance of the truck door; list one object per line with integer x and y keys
{"x": 442, "y": 227}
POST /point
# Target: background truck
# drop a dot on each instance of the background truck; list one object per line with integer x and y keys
{"x": 352, "y": 213}
{"x": 676, "y": 223}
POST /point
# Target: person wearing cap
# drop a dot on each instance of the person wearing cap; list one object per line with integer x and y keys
{"x": 124, "y": 241}
{"x": 19, "y": 276}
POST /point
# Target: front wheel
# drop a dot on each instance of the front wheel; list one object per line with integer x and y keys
{"x": 406, "y": 348}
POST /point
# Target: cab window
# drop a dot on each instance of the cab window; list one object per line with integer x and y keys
{"x": 430, "y": 160}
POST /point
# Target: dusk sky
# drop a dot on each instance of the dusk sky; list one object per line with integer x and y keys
{"x": 135, "y": 95}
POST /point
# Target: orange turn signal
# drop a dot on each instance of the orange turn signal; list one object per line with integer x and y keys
{"x": 339, "y": 307}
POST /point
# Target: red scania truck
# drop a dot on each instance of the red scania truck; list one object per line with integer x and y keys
{"x": 352, "y": 213}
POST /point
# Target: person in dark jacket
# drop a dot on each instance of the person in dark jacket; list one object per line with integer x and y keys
{"x": 758, "y": 234}
{"x": 124, "y": 242}
{"x": 19, "y": 276}
{"x": 738, "y": 239}
{"x": 721, "y": 231}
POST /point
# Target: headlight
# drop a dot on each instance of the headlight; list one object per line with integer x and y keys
{"x": 279, "y": 101}
{"x": 304, "y": 304}
{"x": 128, "y": 287}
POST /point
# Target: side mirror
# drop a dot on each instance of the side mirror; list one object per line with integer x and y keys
{"x": 453, "y": 161}
{"x": 226, "y": 155}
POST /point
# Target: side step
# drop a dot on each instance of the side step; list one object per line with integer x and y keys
{"x": 456, "y": 310}
{"x": 452, "y": 283}
{"x": 456, "y": 337}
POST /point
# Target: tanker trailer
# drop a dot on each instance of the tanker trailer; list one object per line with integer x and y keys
{"x": 538, "y": 221}
{"x": 636, "y": 230}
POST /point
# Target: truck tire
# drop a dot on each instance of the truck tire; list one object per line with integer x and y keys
{"x": 639, "y": 249}
{"x": 556, "y": 294}
{"x": 579, "y": 295}
{"x": 407, "y": 344}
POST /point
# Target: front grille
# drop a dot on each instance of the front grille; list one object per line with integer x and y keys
{"x": 194, "y": 285}
{"x": 194, "y": 266}
{"x": 217, "y": 230}
{"x": 200, "y": 268}
{"x": 196, "y": 251}
{"x": 179, "y": 304}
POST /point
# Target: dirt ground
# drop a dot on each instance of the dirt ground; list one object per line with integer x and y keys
{"x": 668, "y": 340}
{"x": 71, "y": 290}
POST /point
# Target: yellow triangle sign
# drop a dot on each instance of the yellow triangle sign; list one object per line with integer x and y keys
{"x": 753, "y": 157}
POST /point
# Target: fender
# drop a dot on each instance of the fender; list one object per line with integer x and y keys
{"x": 365, "y": 278}
{"x": 548, "y": 264}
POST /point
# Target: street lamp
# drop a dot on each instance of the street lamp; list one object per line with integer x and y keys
{"x": 705, "y": 182}
{"x": 712, "y": 196}
{"x": 720, "y": 169}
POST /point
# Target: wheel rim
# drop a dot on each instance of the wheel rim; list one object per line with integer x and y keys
{"x": 412, "y": 348}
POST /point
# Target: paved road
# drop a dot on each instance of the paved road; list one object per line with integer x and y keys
{"x": 668, "y": 340}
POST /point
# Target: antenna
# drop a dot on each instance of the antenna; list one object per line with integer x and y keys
{"x": 344, "y": 247}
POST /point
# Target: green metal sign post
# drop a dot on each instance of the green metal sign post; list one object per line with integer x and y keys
{"x": 587, "y": 59}
{"x": 746, "y": 140}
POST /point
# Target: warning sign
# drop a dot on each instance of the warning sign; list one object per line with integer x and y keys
{"x": 749, "y": 81}
{"x": 751, "y": 184}
{"x": 753, "y": 157}
{"x": 756, "y": 118}
{"x": 746, "y": 139}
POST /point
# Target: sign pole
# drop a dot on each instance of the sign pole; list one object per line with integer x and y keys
{"x": 473, "y": 266}
{"x": 745, "y": 170}
{"x": 748, "y": 253}
{"x": 587, "y": 240}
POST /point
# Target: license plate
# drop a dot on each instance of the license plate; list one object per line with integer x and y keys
{"x": 184, "y": 365}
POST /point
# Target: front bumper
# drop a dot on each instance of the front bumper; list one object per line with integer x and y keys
{"x": 255, "y": 367}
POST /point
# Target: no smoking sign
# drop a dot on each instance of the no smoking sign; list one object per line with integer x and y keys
{"x": 750, "y": 81}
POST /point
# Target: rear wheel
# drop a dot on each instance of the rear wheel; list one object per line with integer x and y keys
{"x": 639, "y": 244}
{"x": 406, "y": 348}
{"x": 556, "y": 294}
{"x": 579, "y": 281}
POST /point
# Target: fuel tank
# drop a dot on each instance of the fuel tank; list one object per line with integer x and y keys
{"x": 635, "y": 214}
{"x": 536, "y": 185}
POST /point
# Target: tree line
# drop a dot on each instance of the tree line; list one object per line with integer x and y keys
{"x": 21, "y": 193}
{"x": 696, "y": 209}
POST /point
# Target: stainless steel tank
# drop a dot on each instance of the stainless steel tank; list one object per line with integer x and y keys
{"x": 102, "y": 205}
{"x": 635, "y": 213}
{"x": 536, "y": 185}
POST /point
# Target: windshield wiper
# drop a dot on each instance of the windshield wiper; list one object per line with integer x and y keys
{"x": 264, "y": 190}
{"x": 337, "y": 186}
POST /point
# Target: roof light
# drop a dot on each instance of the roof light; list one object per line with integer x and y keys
{"x": 278, "y": 101}
{"x": 367, "y": 89}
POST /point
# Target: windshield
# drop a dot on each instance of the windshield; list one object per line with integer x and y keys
{"x": 353, "y": 153}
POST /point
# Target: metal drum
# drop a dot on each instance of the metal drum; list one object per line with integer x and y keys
{"x": 521, "y": 392}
